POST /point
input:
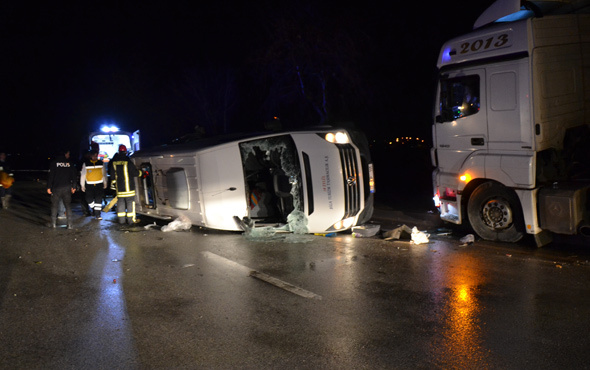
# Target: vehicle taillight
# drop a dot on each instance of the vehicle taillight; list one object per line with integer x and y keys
{"x": 436, "y": 199}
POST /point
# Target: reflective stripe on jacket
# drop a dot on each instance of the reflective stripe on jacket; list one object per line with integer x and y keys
{"x": 124, "y": 172}
{"x": 93, "y": 173}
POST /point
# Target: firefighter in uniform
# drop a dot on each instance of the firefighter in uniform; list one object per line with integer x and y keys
{"x": 93, "y": 181}
{"x": 123, "y": 173}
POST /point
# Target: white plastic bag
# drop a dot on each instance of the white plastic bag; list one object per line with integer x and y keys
{"x": 419, "y": 237}
{"x": 467, "y": 239}
{"x": 180, "y": 224}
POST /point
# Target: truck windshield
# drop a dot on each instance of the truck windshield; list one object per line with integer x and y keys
{"x": 272, "y": 175}
{"x": 459, "y": 97}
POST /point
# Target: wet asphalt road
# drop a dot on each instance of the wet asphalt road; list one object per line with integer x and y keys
{"x": 101, "y": 297}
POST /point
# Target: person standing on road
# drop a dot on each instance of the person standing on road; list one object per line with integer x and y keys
{"x": 60, "y": 185}
{"x": 6, "y": 180}
{"x": 93, "y": 181}
{"x": 123, "y": 172}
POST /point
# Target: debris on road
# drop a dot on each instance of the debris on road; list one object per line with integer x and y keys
{"x": 293, "y": 232}
{"x": 467, "y": 239}
{"x": 444, "y": 232}
{"x": 327, "y": 235}
{"x": 365, "y": 231}
{"x": 404, "y": 232}
{"x": 151, "y": 226}
{"x": 419, "y": 237}
{"x": 182, "y": 223}
{"x": 260, "y": 232}
{"x": 400, "y": 232}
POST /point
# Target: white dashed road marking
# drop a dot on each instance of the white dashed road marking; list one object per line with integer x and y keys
{"x": 266, "y": 278}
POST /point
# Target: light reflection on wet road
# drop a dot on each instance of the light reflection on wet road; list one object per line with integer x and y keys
{"x": 461, "y": 338}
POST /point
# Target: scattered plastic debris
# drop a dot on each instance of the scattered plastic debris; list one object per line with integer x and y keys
{"x": 182, "y": 223}
{"x": 444, "y": 232}
{"x": 151, "y": 226}
{"x": 115, "y": 260}
{"x": 400, "y": 232}
{"x": 365, "y": 231}
{"x": 467, "y": 239}
{"x": 419, "y": 237}
{"x": 188, "y": 265}
{"x": 328, "y": 235}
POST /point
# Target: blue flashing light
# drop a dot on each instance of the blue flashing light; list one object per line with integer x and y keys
{"x": 522, "y": 14}
{"x": 107, "y": 129}
{"x": 446, "y": 55}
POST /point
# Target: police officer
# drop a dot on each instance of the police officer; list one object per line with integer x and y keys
{"x": 60, "y": 185}
{"x": 123, "y": 172}
{"x": 93, "y": 181}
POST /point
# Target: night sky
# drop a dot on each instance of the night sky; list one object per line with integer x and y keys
{"x": 165, "y": 67}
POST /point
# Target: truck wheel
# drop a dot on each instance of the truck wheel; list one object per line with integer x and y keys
{"x": 494, "y": 213}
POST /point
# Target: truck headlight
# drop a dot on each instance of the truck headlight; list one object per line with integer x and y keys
{"x": 337, "y": 137}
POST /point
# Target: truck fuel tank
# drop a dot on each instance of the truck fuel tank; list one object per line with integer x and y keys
{"x": 563, "y": 207}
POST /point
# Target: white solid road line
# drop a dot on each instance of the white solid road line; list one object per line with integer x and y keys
{"x": 266, "y": 278}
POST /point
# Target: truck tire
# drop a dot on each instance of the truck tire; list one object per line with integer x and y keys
{"x": 495, "y": 214}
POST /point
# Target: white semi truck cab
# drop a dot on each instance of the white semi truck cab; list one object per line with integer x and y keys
{"x": 511, "y": 127}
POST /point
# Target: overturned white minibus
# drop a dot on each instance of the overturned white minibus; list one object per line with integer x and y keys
{"x": 300, "y": 181}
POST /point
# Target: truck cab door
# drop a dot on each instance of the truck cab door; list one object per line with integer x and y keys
{"x": 461, "y": 120}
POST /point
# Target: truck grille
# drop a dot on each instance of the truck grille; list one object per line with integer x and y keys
{"x": 350, "y": 173}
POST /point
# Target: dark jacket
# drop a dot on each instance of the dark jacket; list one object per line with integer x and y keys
{"x": 62, "y": 174}
{"x": 123, "y": 173}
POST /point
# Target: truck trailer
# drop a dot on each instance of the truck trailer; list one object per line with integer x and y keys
{"x": 317, "y": 181}
{"x": 511, "y": 131}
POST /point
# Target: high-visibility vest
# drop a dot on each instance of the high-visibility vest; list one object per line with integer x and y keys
{"x": 93, "y": 172}
{"x": 124, "y": 172}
